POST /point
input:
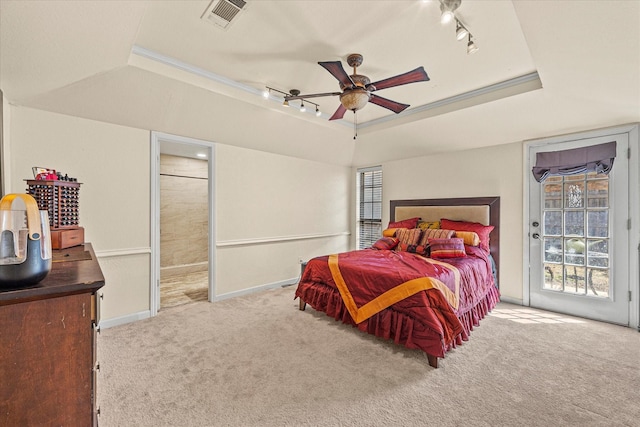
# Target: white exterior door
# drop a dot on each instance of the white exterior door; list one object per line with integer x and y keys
{"x": 579, "y": 238}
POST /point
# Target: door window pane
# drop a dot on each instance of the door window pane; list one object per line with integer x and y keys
{"x": 574, "y": 195}
{"x": 598, "y": 223}
{"x": 598, "y": 283}
{"x": 553, "y": 223}
{"x": 553, "y": 277}
{"x": 575, "y": 280}
{"x": 553, "y": 249}
{"x": 574, "y": 223}
{"x": 598, "y": 193}
{"x": 553, "y": 196}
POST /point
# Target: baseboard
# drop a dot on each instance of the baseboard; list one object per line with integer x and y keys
{"x": 260, "y": 288}
{"x": 510, "y": 300}
{"x": 129, "y": 318}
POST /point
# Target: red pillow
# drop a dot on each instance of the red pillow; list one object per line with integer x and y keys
{"x": 447, "y": 248}
{"x": 386, "y": 243}
{"x": 482, "y": 231}
{"x": 405, "y": 223}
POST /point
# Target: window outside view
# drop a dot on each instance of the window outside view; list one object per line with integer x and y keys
{"x": 576, "y": 234}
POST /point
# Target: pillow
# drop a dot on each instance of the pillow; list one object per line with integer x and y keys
{"x": 389, "y": 232}
{"x": 435, "y": 234}
{"x": 408, "y": 236}
{"x": 385, "y": 243}
{"x": 428, "y": 225}
{"x": 470, "y": 238}
{"x": 416, "y": 249}
{"x": 405, "y": 223}
{"x": 447, "y": 248}
{"x": 481, "y": 230}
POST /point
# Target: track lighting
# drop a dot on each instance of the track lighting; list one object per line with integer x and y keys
{"x": 461, "y": 31}
{"x": 292, "y": 93}
{"x": 448, "y": 7}
{"x": 471, "y": 46}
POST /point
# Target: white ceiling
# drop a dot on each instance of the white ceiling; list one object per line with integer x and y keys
{"x": 157, "y": 65}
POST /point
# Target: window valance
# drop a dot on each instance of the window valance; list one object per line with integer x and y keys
{"x": 595, "y": 158}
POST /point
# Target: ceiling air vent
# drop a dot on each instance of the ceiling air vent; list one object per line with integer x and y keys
{"x": 222, "y": 12}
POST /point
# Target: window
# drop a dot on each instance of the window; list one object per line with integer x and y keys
{"x": 369, "y": 187}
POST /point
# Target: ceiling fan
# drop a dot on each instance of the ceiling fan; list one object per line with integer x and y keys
{"x": 357, "y": 90}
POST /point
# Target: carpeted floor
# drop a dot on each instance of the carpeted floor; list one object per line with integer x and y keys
{"x": 257, "y": 360}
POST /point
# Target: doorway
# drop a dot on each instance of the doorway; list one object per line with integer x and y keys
{"x": 579, "y": 254}
{"x": 184, "y": 218}
{"x": 182, "y": 221}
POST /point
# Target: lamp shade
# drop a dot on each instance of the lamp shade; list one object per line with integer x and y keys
{"x": 354, "y": 99}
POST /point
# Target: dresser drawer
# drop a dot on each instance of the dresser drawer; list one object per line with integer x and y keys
{"x": 62, "y": 239}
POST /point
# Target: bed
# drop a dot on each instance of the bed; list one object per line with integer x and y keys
{"x": 422, "y": 300}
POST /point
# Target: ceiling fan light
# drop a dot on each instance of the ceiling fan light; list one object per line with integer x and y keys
{"x": 285, "y": 103}
{"x": 354, "y": 99}
{"x": 302, "y": 107}
{"x": 318, "y": 113}
{"x": 265, "y": 93}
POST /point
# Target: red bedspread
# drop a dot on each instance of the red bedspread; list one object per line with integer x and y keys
{"x": 425, "y": 319}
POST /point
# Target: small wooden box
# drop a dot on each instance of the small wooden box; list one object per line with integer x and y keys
{"x": 62, "y": 239}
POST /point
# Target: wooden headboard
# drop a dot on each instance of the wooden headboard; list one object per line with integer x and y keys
{"x": 485, "y": 210}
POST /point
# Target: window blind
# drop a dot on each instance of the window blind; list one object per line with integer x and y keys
{"x": 369, "y": 206}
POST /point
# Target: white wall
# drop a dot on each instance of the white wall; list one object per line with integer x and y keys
{"x": 492, "y": 171}
{"x": 272, "y": 210}
{"x": 112, "y": 163}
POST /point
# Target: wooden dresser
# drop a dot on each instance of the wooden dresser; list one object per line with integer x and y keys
{"x": 48, "y": 345}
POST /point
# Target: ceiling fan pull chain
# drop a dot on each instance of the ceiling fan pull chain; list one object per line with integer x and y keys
{"x": 355, "y": 124}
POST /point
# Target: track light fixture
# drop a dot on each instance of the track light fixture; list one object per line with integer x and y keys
{"x": 461, "y": 31}
{"x": 448, "y": 7}
{"x": 471, "y": 46}
{"x": 291, "y": 93}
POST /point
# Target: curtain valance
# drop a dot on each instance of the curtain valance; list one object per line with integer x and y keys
{"x": 595, "y": 158}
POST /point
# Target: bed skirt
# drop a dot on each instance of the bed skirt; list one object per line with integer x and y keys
{"x": 400, "y": 327}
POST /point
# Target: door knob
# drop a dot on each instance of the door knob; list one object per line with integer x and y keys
{"x": 535, "y": 235}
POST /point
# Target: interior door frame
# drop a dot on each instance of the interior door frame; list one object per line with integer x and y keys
{"x": 634, "y": 209}
{"x": 160, "y": 142}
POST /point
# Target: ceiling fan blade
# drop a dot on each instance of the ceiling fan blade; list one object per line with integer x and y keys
{"x": 337, "y": 70}
{"x": 339, "y": 113}
{"x": 394, "y": 106}
{"x": 417, "y": 75}
{"x": 313, "y": 95}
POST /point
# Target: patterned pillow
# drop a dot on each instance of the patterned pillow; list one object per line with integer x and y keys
{"x": 385, "y": 243}
{"x": 481, "y": 230}
{"x": 408, "y": 236}
{"x": 428, "y": 225}
{"x": 447, "y": 248}
{"x": 405, "y": 223}
{"x": 470, "y": 238}
{"x": 416, "y": 249}
{"x": 435, "y": 234}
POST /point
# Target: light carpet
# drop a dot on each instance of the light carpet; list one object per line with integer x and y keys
{"x": 256, "y": 360}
